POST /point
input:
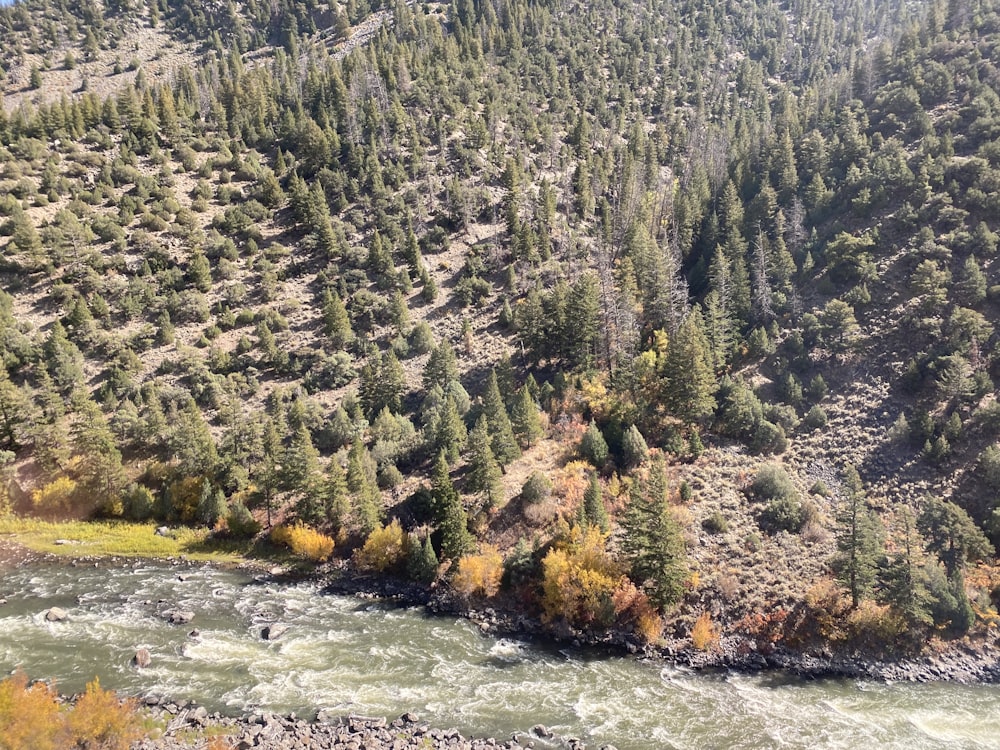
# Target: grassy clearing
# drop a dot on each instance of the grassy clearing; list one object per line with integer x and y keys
{"x": 106, "y": 538}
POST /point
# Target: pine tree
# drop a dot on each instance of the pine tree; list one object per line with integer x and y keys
{"x": 859, "y": 541}
{"x": 593, "y": 511}
{"x": 502, "y": 434}
{"x": 525, "y": 419}
{"x": 449, "y": 433}
{"x": 484, "y": 475}
{"x": 336, "y": 321}
{"x": 653, "y": 542}
{"x": 449, "y": 515}
{"x": 362, "y": 483}
{"x": 593, "y": 446}
{"x": 634, "y": 448}
{"x": 336, "y": 501}
{"x": 689, "y": 382}
{"x": 441, "y": 367}
{"x": 423, "y": 563}
{"x": 300, "y": 476}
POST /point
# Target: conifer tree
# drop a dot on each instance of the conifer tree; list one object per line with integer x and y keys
{"x": 450, "y": 433}
{"x": 362, "y": 483}
{"x": 484, "y": 475}
{"x": 653, "y": 542}
{"x": 593, "y": 511}
{"x": 336, "y": 321}
{"x": 301, "y": 476}
{"x": 336, "y": 501}
{"x": 449, "y": 515}
{"x": 634, "y": 448}
{"x": 859, "y": 541}
{"x": 441, "y": 367}
{"x": 593, "y": 446}
{"x": 525, "y": 419}
{"x": 502, "y": 434}
{"x": 689, "y": 382}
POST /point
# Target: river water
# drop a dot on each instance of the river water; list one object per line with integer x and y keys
{"x": 350, "y": 655}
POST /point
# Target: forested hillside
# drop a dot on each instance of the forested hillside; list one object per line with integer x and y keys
{"x": 624, "y": 313}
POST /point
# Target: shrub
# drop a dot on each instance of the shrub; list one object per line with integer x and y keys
{"x": 815, "y": 418}
{"x": 579, "y": 580}
{"x": 304, "y": 542}
{"x": 771, "y": 482}
{"x": 715, "y": 523}
{"x": 536, "y": 488}
{"x": 385, "y": 548}
{"x": 30, "y": 718}
{"x": 704, "y": 634}
{"x": 241, "y": 522}
{"x": 479, "y": 575}
{"x": 100, "y": 720}
{"x": 55, "y": 498}
{"x": 783, "y": 514}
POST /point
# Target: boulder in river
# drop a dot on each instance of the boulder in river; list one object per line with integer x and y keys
{"x": 56, "y": 614}
{"x": 273, "y": 632}
{"x": 142, "y": 658}
{"x": 179, "y": 616}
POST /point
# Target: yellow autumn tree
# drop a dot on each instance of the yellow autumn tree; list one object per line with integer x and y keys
{"x": 479, "y": 575}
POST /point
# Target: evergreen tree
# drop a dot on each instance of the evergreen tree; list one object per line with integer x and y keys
{"x": 449, "y": 432}
{"x": 362, "y": 483}
{"x": 336, "y": 501}
{"x": 423, "y": 563}
{"x": 653, "y": 542}
{"x": 525, "y": 419}
{"x": 859, "y": 541}
{"x": 336, "y": 321}
{"x": 441, "y": 367}
{"x": 484, "y": 475}
{"x": 593, "y": 512}
{"x": 448, "y": 513}
{"x": 502, "y": 434}
{"x": 593, "y": 446}
{"x": 191, "y": 442}
{"x": 688, "y": 380}
{"x": 300, "y": 476}
{"x": 634, "y": 448}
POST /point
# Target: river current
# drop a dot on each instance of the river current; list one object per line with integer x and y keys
{"x": 349, "y": 655}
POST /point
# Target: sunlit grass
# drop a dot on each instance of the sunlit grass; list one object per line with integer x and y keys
{"x": 107, "y": 538}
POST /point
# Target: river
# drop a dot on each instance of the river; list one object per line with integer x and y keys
{"x": 351, "y": 655}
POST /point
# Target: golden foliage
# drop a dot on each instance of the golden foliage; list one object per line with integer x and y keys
{"x": 385, "y": 548}
{"x": 704, "y": 634}
{"x": 479, "y": 574}
{"x": 304, "y": 541}
{"x": 579, "y": 579}
{"x": 100, "y": 721}
{"x": 55, "y": 498}
{"x": 185, "y": 494}
{"x": 569, "y": 484}
{"x": 30, "y": 718}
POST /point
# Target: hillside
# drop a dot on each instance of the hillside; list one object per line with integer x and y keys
{"x": 675, "y": 310}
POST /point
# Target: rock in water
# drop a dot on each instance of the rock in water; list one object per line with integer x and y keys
{"x": 179, "y": 617}
{"x": 56, "y": 614}
{"x": 142, "y": 658}
{"x": 273, "y": 632}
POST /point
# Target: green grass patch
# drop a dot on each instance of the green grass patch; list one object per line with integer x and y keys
{"x": 107, "y": 538}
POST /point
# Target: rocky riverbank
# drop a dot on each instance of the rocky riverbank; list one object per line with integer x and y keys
{"x": 186, "y": 727}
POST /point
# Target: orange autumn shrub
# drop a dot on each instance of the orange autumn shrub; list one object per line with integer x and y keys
{"x": 479, "y": 574}
{"x": 704, "y": 634}
{"x": 100, "y": 720}
{"x": 31, "y": 718}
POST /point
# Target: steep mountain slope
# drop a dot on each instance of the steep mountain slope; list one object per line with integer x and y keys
{"x": 749, "y": 237}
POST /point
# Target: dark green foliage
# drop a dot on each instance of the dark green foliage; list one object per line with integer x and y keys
{"x": 593, "y": 446}
{"x": 536, "y": 488}
{"x": 502, "y": 434}
{"x": 448, "y": 514}
{"x": 484, "y": 475}
{"x": 859, "y": 541}
{"x": 240, "y": 522}
{"x": 952, "y": 535}
{"x": 634, "y": 448}
{"x": 592, "y": 510}
{"x": 653, "y": 542}
{"x": 525, "y": 419}
{"x": 422, "y": 562}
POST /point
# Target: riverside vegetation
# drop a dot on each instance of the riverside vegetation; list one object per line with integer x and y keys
{"x": 671, "y": 319}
